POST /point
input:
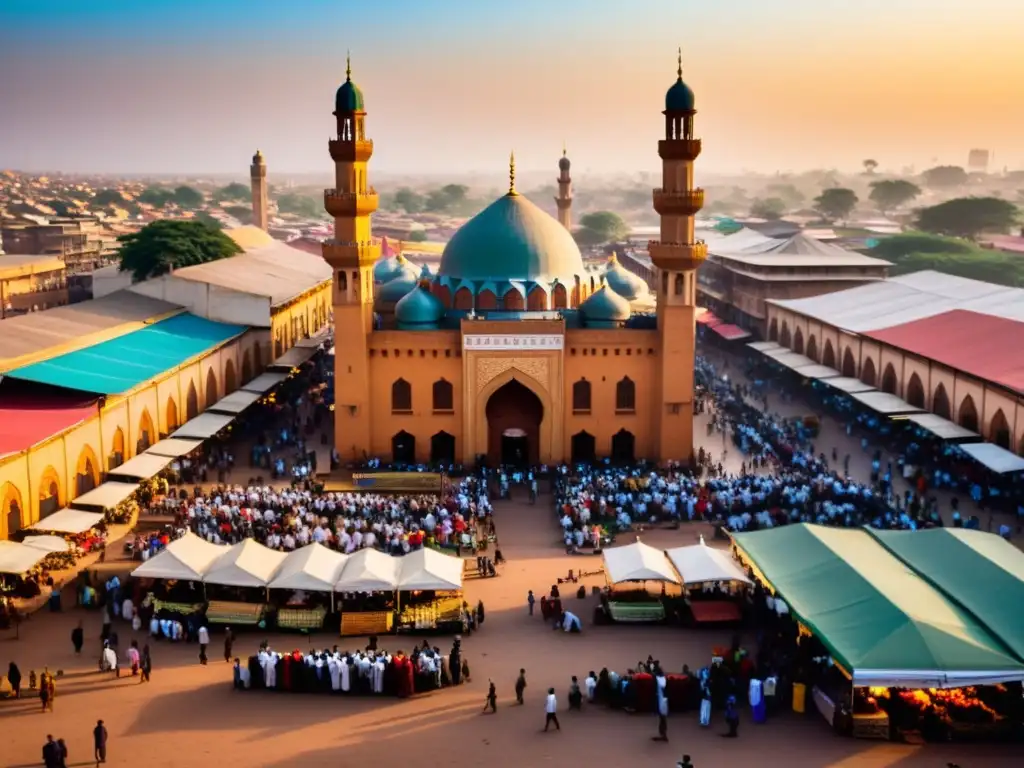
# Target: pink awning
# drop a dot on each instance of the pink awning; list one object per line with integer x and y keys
{"x": 730, "y": 332}
{"x": 708, "y": 318}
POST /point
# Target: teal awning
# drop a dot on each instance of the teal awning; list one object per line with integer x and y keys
{"x": 121, "y": 364}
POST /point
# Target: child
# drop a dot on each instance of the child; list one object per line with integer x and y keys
{"x": 530, "y": 600}
{"x": 465, "y": 670}
{"x": 520, "y": 686}
{"x": 492, "y": 697}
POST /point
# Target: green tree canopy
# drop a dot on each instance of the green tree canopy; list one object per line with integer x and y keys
{"x": 300, "y": 205}
{"x": 418, "y": 236}
{"x": 892, "y": 193}
{"x": 188, "y": 197}
{"x": 968, "y": 216}
{"x": 169, "y": 244}
{"x": 409, "y": 200}
{"x": 944, "y": 177}
{"x": 207, "y": 219}
{"x": 770, "y": 208}
{"x": 158, "y": 197}
{"x": 234, "y": 191}
{"x": 60, "y": 207}
{"x": 241, "y": 212}
{"x": 106, "y": 197}
{"x": 448, "y": 199}
{"x": 898, "y": 247}
{"x": 869, "y": 166}
{"x": 793, "y": 197}
{"x": 835, "y": 203}
{"x": 601, "y": 227}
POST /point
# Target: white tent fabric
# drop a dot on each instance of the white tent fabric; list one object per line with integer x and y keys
{"x": 17, "y": 558}
{"x": 143, "y": 466}
{"x": 429, "y": 569}
{"x": 700, "y": 563}
{"x": 294, "y": 357}
{"x": 313, "y": 568}
{"x": 791, "y": 360}
{"x": 848, "y": 384}
{"x": 765, "y": 346}
{"x": 944, "y": 429}
{"x": 67, "y": 521}
{"x": 107, "y": 496}
{"x": 999, "y": 460}
{"x": 46, "y": 543}
{"x": 818, "y": 372}
{"x": 638, "y": 562}
{"x": 185, "y": 559}
{"x": 884, "y": 403}
{"x": 369, "y": 571}
{"x": 246, "y": 564}
{"x": 264, "y": 382}
{"x": 235, "y": 403}
{"x": 203, "y": 426}
{"x": 173, "y": 447}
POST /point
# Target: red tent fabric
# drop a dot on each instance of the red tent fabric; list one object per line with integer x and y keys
{"x": 730, "y": 332}
{"x": 26, "y": 419}
{"x": 980, "y": 345}
{"x": 709, "y": 319}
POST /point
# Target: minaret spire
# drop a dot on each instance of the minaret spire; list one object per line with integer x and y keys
{"x": 258, "y": 183}
{"x": 564, "y": 199}
{"x": 679, "y": 69}
{"x": 512, "y": 173}
{"x": 348, "y": 66}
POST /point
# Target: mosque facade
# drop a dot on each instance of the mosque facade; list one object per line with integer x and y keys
{"x": 513, "y": 351}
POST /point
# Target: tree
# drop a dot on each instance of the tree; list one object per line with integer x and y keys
{"x": 300, "y": 205}
{"x": 892, "y": 193}
{"x": 969, "y": 217}
{"x": 944, "y": 177}
{"x": 898, "y": 247}
{"x": 188, "y": 197}
{"x": 985, "y": 265}
{"x": 107, "y": 197}
{"x": 409, "y": 200}
{"x": 418, "y": 236}
{"x": 447, "y": 198}
{"x": 835, "y": 203}
{"x": 169, "y": 244}
{"x": 60, "y": 207}
{"x": 870, "y": 166}
{"x": 770, "y": 208}
{"x": 792, "y": 196}
{"x": 240, "y": 212}
{"x": 158, "y": 197}
{"x": 207, "y": 219}
{"x": 601, "y": 227}
{"x": 234, "y": 191}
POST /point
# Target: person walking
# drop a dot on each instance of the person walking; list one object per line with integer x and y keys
{"x": 732, "y": 718}
{"x": 530, "y": 600}
{"x": 99, "y": 742}
{"x": 204, "y": 640}
{"x": 78, "y": 638}
{"x": 51, "y": 753}
{"x": 14, "y": 678}
{"x": 520, "y": 686}
{"x": 229, "y": 640}
{"x": 551, "y": 711}
{"x": 145, "y": 665}
{"x": 662, "y": 718}
{"x": 685, "y": 762}
{"x": 492, "y": 698}
{"x": 62, "y": 753}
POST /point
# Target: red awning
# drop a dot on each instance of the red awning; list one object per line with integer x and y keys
{"x": 26, "y": 420}
{"x": 730, "y": 332}
{"x": 708, "y": 319}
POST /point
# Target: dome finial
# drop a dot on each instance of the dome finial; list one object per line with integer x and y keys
{"x": 348, "y": 67}
{"x": 563, "y": 147}
{"x": 679, "y": 69}
{"x": 512, "y": 173}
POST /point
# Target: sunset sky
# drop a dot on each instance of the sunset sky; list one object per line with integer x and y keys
{"x": 195, "y": 86}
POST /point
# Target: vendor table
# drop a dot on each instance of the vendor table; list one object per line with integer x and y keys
{"x": 308, "y": 619}
{"x": 874, "y": 726}
{"x": 430, "y": 615}
{"x": 242, "y": 614}
{"x": 185, "y": 609}
{"x": 636, "y": 612}
{"x": 714, "y": 611}
{"x": 359, "y": 623}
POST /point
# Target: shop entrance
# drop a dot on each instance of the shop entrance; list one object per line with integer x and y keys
{"x": 514, "y": 414}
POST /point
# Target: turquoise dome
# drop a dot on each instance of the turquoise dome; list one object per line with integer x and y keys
{"x": 512, "y": 239}
{"x": 386, "y": 270}
{"x": 679, "y": 97}
{"x": 604, "y": 308}
{"x": 395, "y": 289}
{"x": 623, "y": 282}
{"x": 348, "y": 98}
{"x": 419, "y": 310}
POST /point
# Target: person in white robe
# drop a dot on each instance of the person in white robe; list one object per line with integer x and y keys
{"x": 571, "y": 622}
{"x": 346, "y": 674}
{"x": 334, "y": 668}
{"x": 378, "y": 675}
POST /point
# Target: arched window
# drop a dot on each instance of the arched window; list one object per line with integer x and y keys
{"x": 342, "y": 282}
{"x": 401, "y": 396}
{"x": 798, "y": 342}
{"x": 559, "y": 299}
{"x": 915, "y": 391}
{"x": 537, "y": 300}
{"x": 812, "y": 349}
{"x": 443, "y": 396}
{"x": 463, "y": 299}
{"x": 581, "y": 396}
{"x": 679, "y": 285}
{"x": 773, "y": 329}
{"x": 999, "y": 430}
{"x": 889, "y": 381}
{"x": 443, "y": 294}
{"x": 512, "y": 301}
{"x": 868, "y": 374}
{"x": 828, "y": 357}
{"x": 968, "y": 416}
{"x": 625, "y": 396}
{"x": 940, "y": 403}
{"x": 849, "y": 364}
{"x": 486, "y": 300}
{"x": 785, "y": 338}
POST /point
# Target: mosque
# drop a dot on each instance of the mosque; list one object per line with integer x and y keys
{"x": 513, "y": 350}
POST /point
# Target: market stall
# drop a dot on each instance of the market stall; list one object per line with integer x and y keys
{"x": 141, "y": 467}
{"x": 184, "y": 559}
{"x": 631, "y": 571}
{"x": 712, "y": 581}
{"x": 240, "y": 578}
{"x": 430, "y": 591}
{"x": 73, "y": 521}
{"x": 310, "y": 574}
{"x": 79, "y": 530}
{"x": 367, "y": 584}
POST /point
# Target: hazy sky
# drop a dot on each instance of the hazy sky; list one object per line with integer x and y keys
{"x": 197, "y": 85}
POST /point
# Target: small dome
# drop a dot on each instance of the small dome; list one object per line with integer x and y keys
{"x": 348, "y": 98}
{"x": 605, "y": 307}
{"x": 563, "y": 163}
{"x": 396, "y": 288}
{"x": 623, "y": 282}
{"x": 257, "y": 159}
{"x": 386, "y": 270}
{"x": 679, "y": 97}
{"x": 419, "y": 309}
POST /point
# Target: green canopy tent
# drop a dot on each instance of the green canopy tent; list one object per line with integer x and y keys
{"x": 982, "y": 572}
{"x": 881, "y": 621}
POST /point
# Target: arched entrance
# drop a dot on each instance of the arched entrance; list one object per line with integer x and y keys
{"x": 10, "y": 497}
{"x": 584, "y": 448}
{"x": 968, "y": 415}
{"x": 442, "y": 448}
{"x": 116, "y": 458}
{"x": 191, "y": 402}
{"x": 999, "y": 430}
{"x": 940, "y": 403}
{"x": 403, "y": 448}
{"x": 798, "y": 342}
{"x": 867, "y": 373}
{"x": 828, "y": 357}
{"x": 915, "y": 391}
{"x": 623, "y": 447}
{"x": 49, "y": 493}
{"x": 172, "y": 415}
{"x": 230, "y": 385}
{"x": 812, "y": 349}
{"x": 849, "y": 364}
{"x": 514, "y": 414}
{"x": 211, "y": 389}
{"x": 246, "y": 367}
{"x": 87, "y": 474}
{"x": 146, "y": 432}
{"x": 889, "y": 381}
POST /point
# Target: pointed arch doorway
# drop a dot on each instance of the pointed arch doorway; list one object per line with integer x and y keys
{"x": 514, "y": 414}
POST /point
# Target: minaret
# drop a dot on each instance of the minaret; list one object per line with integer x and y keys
{"x": 564, "y": 199}
{"x": 352, "y": 254}
{"x": 258, "y": 177}
{"x": 677, "y": 255}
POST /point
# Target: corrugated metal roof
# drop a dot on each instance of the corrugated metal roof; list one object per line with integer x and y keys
{"x": 907, "y": 298}
{"x": 41, "y": 335}
{"x": 19, "y": 265}
{"x": 755, "y": 249}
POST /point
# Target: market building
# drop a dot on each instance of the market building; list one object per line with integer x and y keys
{"x": 513, "y": 350}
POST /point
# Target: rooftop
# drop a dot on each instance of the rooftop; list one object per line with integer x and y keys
{"x": 13, "y": 266}
{"x": 29, "y": 419}
{"x": 755, "y": 249}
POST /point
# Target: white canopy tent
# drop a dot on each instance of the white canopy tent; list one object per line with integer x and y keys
{"x": 264, "y": 382}
{"x": 765, "y": 346}
{"x": 246, "y": 564}
{"x": 294, "y": 357}
{"x": 848, "y": 384}
{"x": 47, "y": 543}
{"x": 885, "y": 403}
{"x": 67, "y": 521}
{"x": 235, "y": 403}
{"x": 944, "y": 429}
{"x": 700, "y": 563}
{"x": 106, "y": 496}
{"x": 818, "y": 372}
{"x": 429, "y": 569}
{"x": 17, "y": 558}
{"x": 173, "y": 447}
{"x": 203, "y": 426}
{"x": 143, "y": 466}
{"x": 185, "y": 559}
{"x": 313, "y": 568}
{"x": 369, "y": 570}
{"x": 638, "y": 562}
{"x": 999, "y": 460}
{"x": 791, "y": 360}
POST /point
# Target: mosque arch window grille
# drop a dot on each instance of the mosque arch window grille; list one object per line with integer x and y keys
{"x": 443, "y": 396}
{"x": 625, "y": 396}
{"x": 401, "y": 396}
{"x": 581, "y": 394}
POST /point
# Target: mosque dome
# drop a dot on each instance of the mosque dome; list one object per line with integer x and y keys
{"x": 604, "y": 308}
{"x": 395, "y": 289}
{"x": 680, "y": 96}
{"x": 512, "y": 239}
{"x": 623, "y": 282}
{"x": 348, "y": 98}
{"x": 419, "y": 309}
{"x": 386, "y": 270}
{"x": 563, "y": 163}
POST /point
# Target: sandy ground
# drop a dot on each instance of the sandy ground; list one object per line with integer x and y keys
{"x": 189, "y": 715}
